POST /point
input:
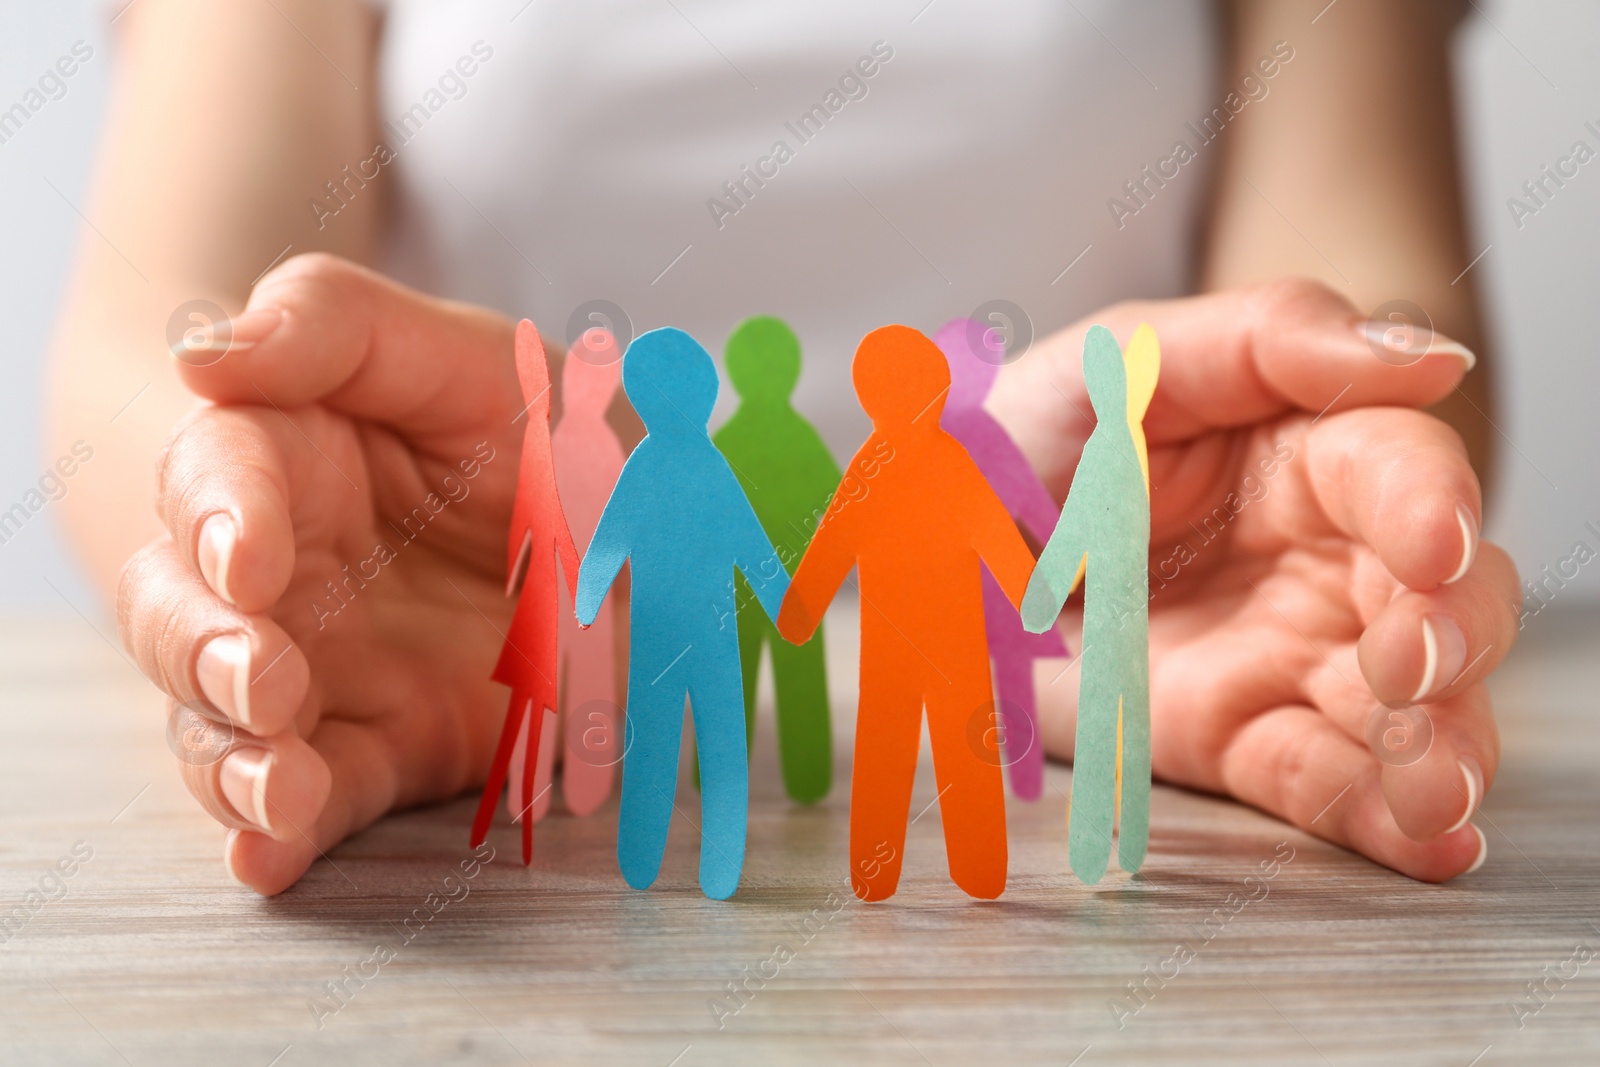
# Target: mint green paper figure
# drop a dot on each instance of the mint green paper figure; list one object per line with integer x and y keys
{"x": 790, "y": 477}
{"x": 1103, "y": 538}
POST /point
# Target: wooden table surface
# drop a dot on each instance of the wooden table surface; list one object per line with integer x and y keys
{"x": 149, "y": 954}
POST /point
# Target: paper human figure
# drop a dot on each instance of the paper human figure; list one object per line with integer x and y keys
{"x": 538, "y": 539}
{"x": 974, "y": 364}
{"x": 588, "y": 458}
{"x": 680, "y": 521}
{"x": 789, "y": 476}
{"x": 1103, "y": 540}
{"x": 915, "y": 515}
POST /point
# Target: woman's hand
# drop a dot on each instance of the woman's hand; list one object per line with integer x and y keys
{"x": 1314, "y": 565}
{"x": 366, "y": 436}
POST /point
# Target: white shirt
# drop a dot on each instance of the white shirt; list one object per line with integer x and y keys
{"x": 546, "y": 155}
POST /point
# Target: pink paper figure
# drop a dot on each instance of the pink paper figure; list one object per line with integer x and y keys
{"x": 537, "y": 540}
{"x": 975, "y": 357}
{"x": 588, "y": 461}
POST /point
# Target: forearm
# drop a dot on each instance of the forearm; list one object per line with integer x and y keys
{"x": 1347, "y": 172}
{"x": 224, "y": 122}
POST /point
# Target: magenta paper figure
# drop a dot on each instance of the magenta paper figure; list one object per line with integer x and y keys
{"x": 975, "y": 355}
{"x": 588, "y": 460}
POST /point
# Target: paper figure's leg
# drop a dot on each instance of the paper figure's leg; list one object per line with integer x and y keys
{"x": 653, "y": 731}
{"x": 593, "y": 725}
{"x": 543, "y": 767}
{"x": 888, "y": 730}
{"x": 715, "y": 700}
{"x": 1133, "y": 834}
{"x": 972, "y": 801}
{"x": 535, "y": 730}
{"x": 805, "y": 736}
{"x": 516, "y": 713}
{"x": 753, "y": 627}
{"x": 1022, "y": 752}
{"x": 1013, "y": 650}
{"x": 1095, "y": 751}
{"x": 519, "y": 757}
{"x": 754, "y": 630}
{"x": 545, "y": 764}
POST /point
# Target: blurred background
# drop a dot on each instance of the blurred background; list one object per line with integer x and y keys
{"x": 1527, "y": 84}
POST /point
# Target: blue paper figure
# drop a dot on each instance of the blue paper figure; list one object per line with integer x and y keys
{"x": 679, "y": 518}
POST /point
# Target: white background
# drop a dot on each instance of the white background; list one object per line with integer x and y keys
{"x": 1528, "y": 82}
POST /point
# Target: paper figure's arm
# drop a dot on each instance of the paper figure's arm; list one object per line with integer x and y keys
{"x": 823, "y": 459}
{"x": 822, "y": 482}
{"x": 755, "y": 556}
{"x": 567, "y": 549}
{"x": 1024, "y": 494}
{"x": 1060, "y": 566}
{"x": 996, "y": 538}
{"x": 822, "y": 570}
{"x": 608, "y": 551}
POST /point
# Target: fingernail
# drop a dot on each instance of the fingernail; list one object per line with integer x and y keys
{"x": 1444, "y": 649}
{"x": 244, "y": 782}
{"x": 1401, "y": 344}
{"x": 1469, "y": 539}
{"x": 1451, "y": 348}
{"x": 1473, "y": 773}
{"x": 223, "y": 670}
{"x": 217, "y": 339}
{"x": 227, "y": 855}
{"x": 218, "y": 535}
{"x": 248, "y": 330}
{"x": 1483, "y": 851}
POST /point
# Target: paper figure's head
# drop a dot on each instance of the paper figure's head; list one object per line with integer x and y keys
{"x": 533, "y": 373}
{"x": 1105, "y": 375}
{"x": 671, "y": 381}
{"x": 974, "y": 356}
{"x": 1142, "y": 359}
{"x": 901, "y": 378}
{"x": 588, "y": 383}
{"x": 763, "y": 357}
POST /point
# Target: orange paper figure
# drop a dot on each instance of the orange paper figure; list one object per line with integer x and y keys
{"x": 588, "y": 461}
{"x": 538, "y": 536}
{"x": 915, "y": 514}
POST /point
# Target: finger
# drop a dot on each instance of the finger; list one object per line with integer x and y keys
{"x": 268, "y": 785}
{"x": 320, "y": 328}
{"x": 1227, "y": 359}
{"x": 198, "y": 648}
{"x": 1436, "y": 761}
{"x": 1427, "y": 647}
{"x": 1434, "y": 783}
{"x": 223, "y": 493}
{"x": 1240, "y": 357}
{"x": 1400, "y": 482}
{"x": 363, "y": 785}
{"x": 1293, "y": 763}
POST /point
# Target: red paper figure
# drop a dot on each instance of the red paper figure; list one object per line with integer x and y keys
{"x": 538, "y": 536}
{"x": 588, "y": 461}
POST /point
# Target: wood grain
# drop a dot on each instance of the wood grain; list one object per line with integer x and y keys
{"x": 153, "y": 956}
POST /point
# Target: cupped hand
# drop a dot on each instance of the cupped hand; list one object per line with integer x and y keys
{"x": 331, "y": 587}
{"x": 1321, "y": 599}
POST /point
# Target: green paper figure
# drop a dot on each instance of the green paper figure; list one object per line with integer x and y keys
{"x": 789, "y": 476}
{"x": 1103, "y": 538}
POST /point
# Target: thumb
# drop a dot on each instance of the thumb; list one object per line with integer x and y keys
{"x": 1236, "y": 358}
{"x": 319, "y": 329}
